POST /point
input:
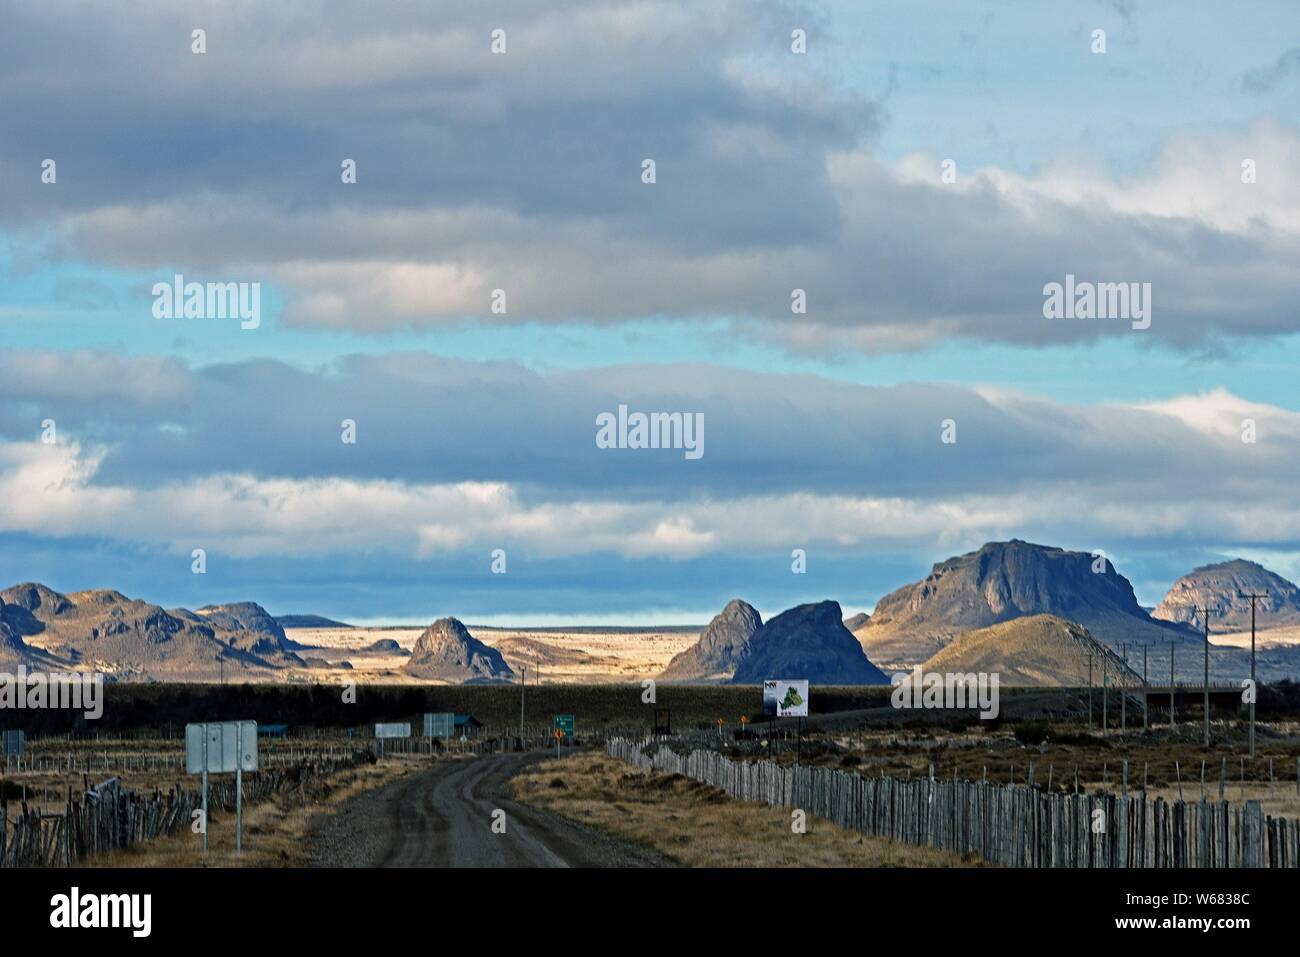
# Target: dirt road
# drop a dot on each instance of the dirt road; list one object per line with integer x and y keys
{"x": 443, "y": 817}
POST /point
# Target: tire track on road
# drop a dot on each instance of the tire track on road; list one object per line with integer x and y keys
{"x": 442, "y": 817}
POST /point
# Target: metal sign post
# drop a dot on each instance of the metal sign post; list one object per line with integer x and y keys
{"x": 222, "y": 748}
{"x": 566, "y": 723}
{"x": 239, "y": 791}
{"x": 391, "y": 730}
{"x": 440, "y": 725}
{"x": 205, "y": 790}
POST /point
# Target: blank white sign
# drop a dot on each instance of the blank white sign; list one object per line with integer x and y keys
{"x": 393, "y": 730}
{"x": 230, "y": 746}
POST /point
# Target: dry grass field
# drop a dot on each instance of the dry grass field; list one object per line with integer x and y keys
{"x": 1280, "y": 637}
{"x": 143, "y": 764}
{"x": 570, "y": 657}
{"x": 275, "y": 831}
{"x": 1166, "y": 757}
{"x": 699, "y": 826}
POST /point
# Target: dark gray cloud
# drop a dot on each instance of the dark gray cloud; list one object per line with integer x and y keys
{"x": 522, "y": 172}
{"x": 422, "y": 420}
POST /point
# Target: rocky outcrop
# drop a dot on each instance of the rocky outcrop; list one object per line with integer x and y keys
{"x": 248, "y": 627}
{"x": 1223, "y": 588}
{"x": 809, "y": 641}
{"x": 446, "y": 651}
{"x": 721, "y": 646}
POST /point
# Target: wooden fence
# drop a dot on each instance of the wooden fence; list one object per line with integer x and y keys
{"x": 66, "y": 761}
{"x": 1010, "y": 824}
{"x": 109, "y": 816}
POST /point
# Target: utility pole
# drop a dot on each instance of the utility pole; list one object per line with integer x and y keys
{"x": 1254, "y": 691}
{"x": 1205, "y": 612}
{"x": 1123, "y": 697}
{"x": 1105, "y": 694}
{"x": 1171, "y": 684}
{"x": 1146, "y": 696}
{"x": 523, "y": 681}
{"x": 1090, "y": 691}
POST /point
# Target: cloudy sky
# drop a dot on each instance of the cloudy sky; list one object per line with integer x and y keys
{"x": 522, "y": 171}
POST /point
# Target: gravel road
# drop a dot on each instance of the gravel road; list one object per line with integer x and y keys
{"x": 443, "y": 818}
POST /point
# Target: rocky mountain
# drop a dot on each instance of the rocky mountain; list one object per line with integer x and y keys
{"x": 386, "y": 646}
{"x": 854, "y": 622}
{"x": 721, "y": 646}
{"x": 1003, "y": 581}
{"x": 1039, "y": 650}
{"x": 308, "y": 621}
{"x": 14, "y": 651}
{"x": 808, "y": 641}
{"x": 1222, "y": 587}
{"x": 105, "y": 630}
{"x": 446, "y": 651}
{"x": 246, "y": 626}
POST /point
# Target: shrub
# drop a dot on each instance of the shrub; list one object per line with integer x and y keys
{"x": 1033, "y": 732}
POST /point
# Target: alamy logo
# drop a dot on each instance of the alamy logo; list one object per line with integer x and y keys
{"x": 209, "y": 300}
{"x": 651, "y": 430}
{"x": 58, "y": 690}
{"x": 73, "y": 910}
{"x": 949, "y": 691}
{"x": 1098, "y": 300}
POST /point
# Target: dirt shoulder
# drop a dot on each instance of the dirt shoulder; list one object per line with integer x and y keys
{"x": 275, "y": 831}
{"x": 699, "y": 826}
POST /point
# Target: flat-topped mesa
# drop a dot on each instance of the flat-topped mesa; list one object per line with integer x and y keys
{"x": 1003, "y": 581}
{"x": 446, "y": 651}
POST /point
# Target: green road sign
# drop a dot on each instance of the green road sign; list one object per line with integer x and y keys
{"x": 565, "y": 723}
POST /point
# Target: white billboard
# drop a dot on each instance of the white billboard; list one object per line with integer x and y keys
{"x": 785, "y": 698}
{"x": 439, "y": 725}
{"x": 393, "y": 730}
{"x": 227, "y": 745}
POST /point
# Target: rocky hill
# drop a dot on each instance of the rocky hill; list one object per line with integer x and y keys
{"x": 105, "y": 630}
{"x": 808, "y": 641}
{"x": 1040, "y": 650}
{"x": 246, "y": 626}
{"x": 446, "y": 651}
{"x": 1223, "y": 587}
{"x": 854, "y": 622}
{"x": 722, "y": 645}
{"x": 14, "y": 651}
{"x": 309, "y": 621}
{"x": 1003, "y": 581}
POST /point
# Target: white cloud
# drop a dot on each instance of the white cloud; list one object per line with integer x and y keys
{"x": 1243, "y": 494}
